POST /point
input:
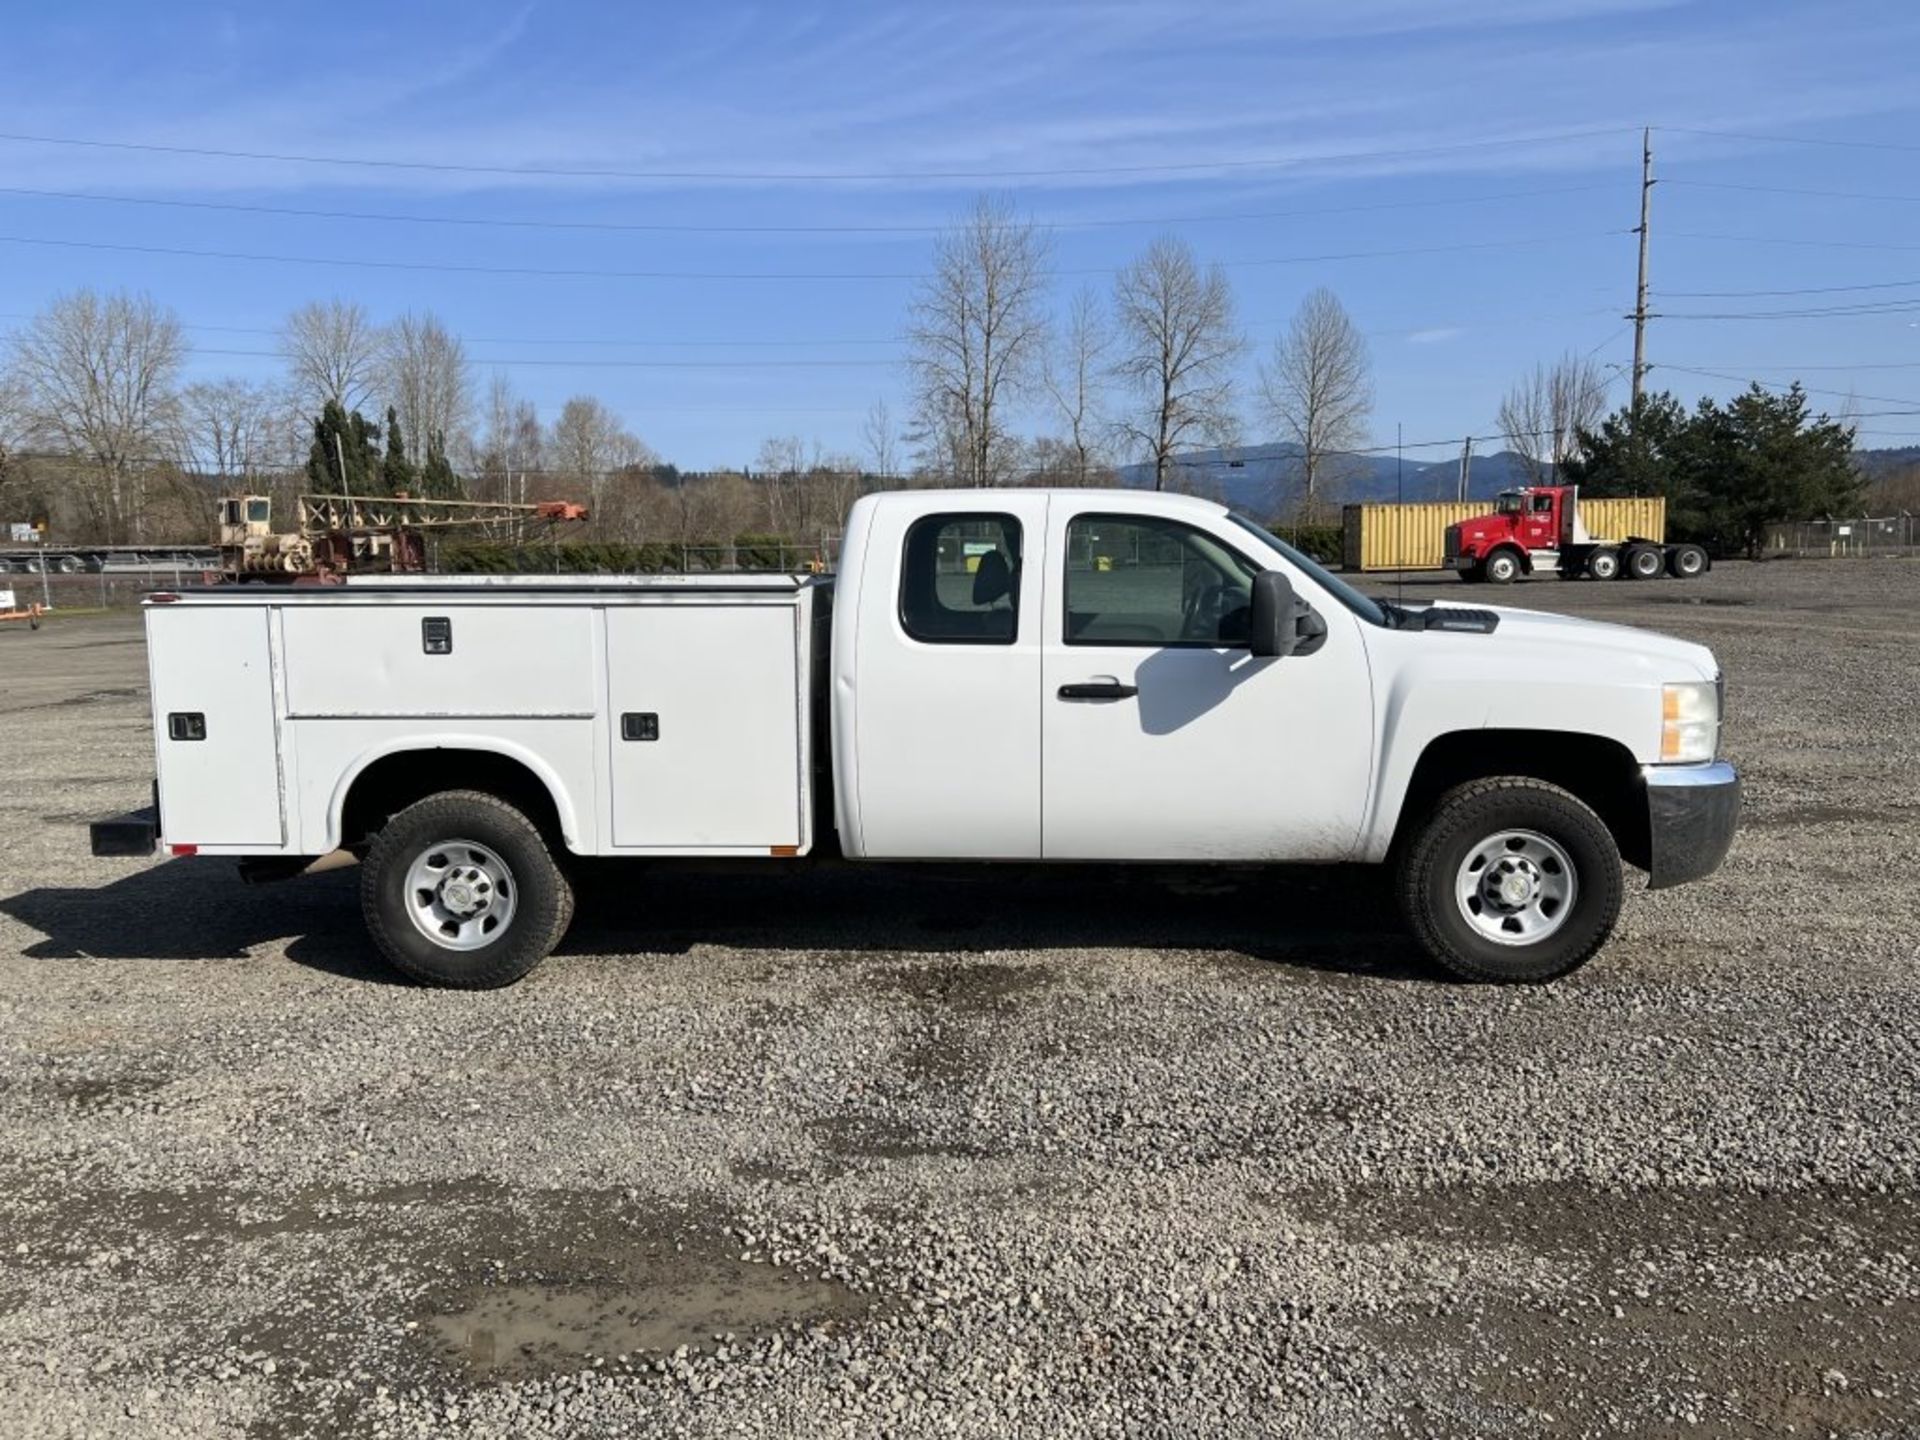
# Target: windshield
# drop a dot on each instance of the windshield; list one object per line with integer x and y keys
{"x": 1361, "y": 605}
{"x": 1508, "y": 503}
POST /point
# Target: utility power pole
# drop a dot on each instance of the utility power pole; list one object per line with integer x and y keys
{"x": 1466, "y": 468}
{"x": 1639, "y": 316}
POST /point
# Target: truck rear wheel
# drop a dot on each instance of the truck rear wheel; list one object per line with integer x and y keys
{"x": 1604, "y": 564}
{"x": 1502, "y": 567}
{"x": 1511, "y": 880}
{"x": 1686, "y": 561}
{"x": 461, "y": 890}
{"x": 1645, "y": 562}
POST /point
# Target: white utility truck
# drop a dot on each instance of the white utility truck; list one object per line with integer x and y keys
{"x": 993, "y": 675}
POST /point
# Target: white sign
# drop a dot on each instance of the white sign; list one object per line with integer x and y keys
{"x": 1844, "y": 530}
{"x": 7, "y": 602}
{"x": 19, "y": 534}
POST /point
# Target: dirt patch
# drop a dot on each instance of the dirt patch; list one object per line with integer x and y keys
{"x": 980, "y": 987}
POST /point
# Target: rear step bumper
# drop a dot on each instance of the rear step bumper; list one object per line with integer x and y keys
{"x": 135, "y": 833}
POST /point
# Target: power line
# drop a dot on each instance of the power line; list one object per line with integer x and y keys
{"x": 1808, "y": 389}
{"x": 1818, "y": 312}
{"x": 1778, "y": 139}
{"x": 649, "y": 227}
{"x": 1791, "y": 240}
{"x": 1804, "y": 290}
{"x": 629, "y": 364}
{"x": 594, "y": 173}
{"x": 1793, "y": 190}
{"x": 547, "y": 272}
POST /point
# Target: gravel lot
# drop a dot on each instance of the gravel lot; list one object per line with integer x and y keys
{"x": 1053, "y": 1153}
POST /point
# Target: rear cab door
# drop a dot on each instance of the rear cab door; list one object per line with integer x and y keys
{"x": 937, "y": 677}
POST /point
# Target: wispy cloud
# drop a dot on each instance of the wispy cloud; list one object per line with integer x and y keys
{"x": 1436, "y": 335}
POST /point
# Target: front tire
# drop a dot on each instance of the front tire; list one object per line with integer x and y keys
{"x": 1511, "y": 880}
{"x": 460, "y": 890}
{"x": 1502, "y": 567}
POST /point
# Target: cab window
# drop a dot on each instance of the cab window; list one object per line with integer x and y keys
{"x": 960, "y": 579}
{"x": 1142, "y": 580}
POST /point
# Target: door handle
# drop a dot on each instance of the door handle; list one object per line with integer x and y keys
{"x": 1102, "y": 689}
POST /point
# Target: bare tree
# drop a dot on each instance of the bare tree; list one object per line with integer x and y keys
{"x": 1543, "y": 415}
{"x": 976, "y": 337}
{"x": 333, "y": 351}
{"x": 232, "y": 429}
{"x": 1073, "y": 373}
{"x": 99, "y": 376}
{"x": 511, "y": 444}
{"x": 588, "y": 446}
{"x": 1178, "y": 344}
{"x": 424, "y": 372}
{"x": 1318, "y": 389}
{"x": 13, "y": 436}
{"x": 883, "y": 445}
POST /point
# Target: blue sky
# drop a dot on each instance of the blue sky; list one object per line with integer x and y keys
{"x": 1492, "y": 146}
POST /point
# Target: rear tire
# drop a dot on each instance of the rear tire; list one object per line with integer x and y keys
{"x": 1502, "y": 567}
{"x": 1511, "y": 880}
{"x": 1687, "y": 562}
{"x": 1645, "y": 562}
{"x": 1604, "y": 564}
{"x": 442, "y": 869}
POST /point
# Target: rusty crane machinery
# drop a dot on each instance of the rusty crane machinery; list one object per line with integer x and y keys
{"x": 360, "y": 534}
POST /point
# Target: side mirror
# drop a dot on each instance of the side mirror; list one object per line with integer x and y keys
{"x": 1270, "y": 625}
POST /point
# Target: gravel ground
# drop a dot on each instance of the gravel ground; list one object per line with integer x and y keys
{"x": 1031, "y": 1153}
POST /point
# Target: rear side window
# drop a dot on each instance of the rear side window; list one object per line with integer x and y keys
{"x": 960, "y": 579}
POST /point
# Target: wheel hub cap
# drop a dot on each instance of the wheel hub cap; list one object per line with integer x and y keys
{"x": 460, "y": 894}
{"x": 1516, "y": 887}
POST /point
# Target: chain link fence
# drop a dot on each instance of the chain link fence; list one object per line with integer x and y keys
{"x": 1891, "y": 535}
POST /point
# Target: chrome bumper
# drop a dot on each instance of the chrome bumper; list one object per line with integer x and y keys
{"x": 1692, "y": 812}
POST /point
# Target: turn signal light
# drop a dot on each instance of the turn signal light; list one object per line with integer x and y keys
{"x": 1689, "y": 722}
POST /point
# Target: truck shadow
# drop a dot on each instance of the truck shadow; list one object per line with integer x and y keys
{"x": 1338, "y": 920}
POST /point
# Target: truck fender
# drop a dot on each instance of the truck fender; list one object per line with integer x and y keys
{"x": 563, "y": 805}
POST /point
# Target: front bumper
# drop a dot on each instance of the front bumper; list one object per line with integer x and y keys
{"x": 1692, "y": 812}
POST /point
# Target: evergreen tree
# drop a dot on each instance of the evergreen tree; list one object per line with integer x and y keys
{"x": 340, "y": 435}
{"x": 397, "y": 475}
{"x": 1727, "y": 472}
{"x": 437, "y": 478}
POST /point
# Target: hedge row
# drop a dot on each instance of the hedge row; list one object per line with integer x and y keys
{"x": 743, "y": 552}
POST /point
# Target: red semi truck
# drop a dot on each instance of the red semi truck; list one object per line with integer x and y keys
{"x": 1537, "y": 530}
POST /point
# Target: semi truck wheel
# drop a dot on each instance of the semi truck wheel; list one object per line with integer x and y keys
{"x": 460, "y": 890}
{"x": 1604, "y": 564}
{"x": 1684, "y": 562}
{"x": 1511, "y": 880}
{"x": 1502, "y": 567}
{"x": 1645, "y": 562}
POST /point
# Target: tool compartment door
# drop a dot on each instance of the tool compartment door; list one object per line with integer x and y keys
{"x": 214, "y": 726}
{"x": 704, "y": 725}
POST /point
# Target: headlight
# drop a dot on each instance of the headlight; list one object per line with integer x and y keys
{"x": 1689, "y": 721}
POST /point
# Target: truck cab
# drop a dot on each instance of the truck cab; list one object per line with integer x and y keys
{"x": 991, "y": 676}
{"x": 1539, "y": 529}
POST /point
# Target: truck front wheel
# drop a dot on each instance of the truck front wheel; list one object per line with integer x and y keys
{"x": 1511, "y": 880}
{"x": 461, "y": 890}
{"x": 1502, "y": 567}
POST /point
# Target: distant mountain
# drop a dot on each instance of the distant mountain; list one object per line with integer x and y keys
{"x": 1257, "y": 479}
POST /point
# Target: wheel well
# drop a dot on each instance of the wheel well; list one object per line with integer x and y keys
{"x": 1599, "y": 771}
{"x": 393, "y": 782}
{"x": 1518, "y": 553}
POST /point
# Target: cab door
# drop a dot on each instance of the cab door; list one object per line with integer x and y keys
{"x": 937, "y": 681}
{"x": 1163, "y": 737}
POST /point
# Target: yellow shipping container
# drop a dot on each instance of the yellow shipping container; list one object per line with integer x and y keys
{"x": 1414, "y": 537}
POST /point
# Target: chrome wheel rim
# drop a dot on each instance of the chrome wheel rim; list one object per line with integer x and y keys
{"x": 460, "y": 894}
{"x": 1516, "y": 887}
